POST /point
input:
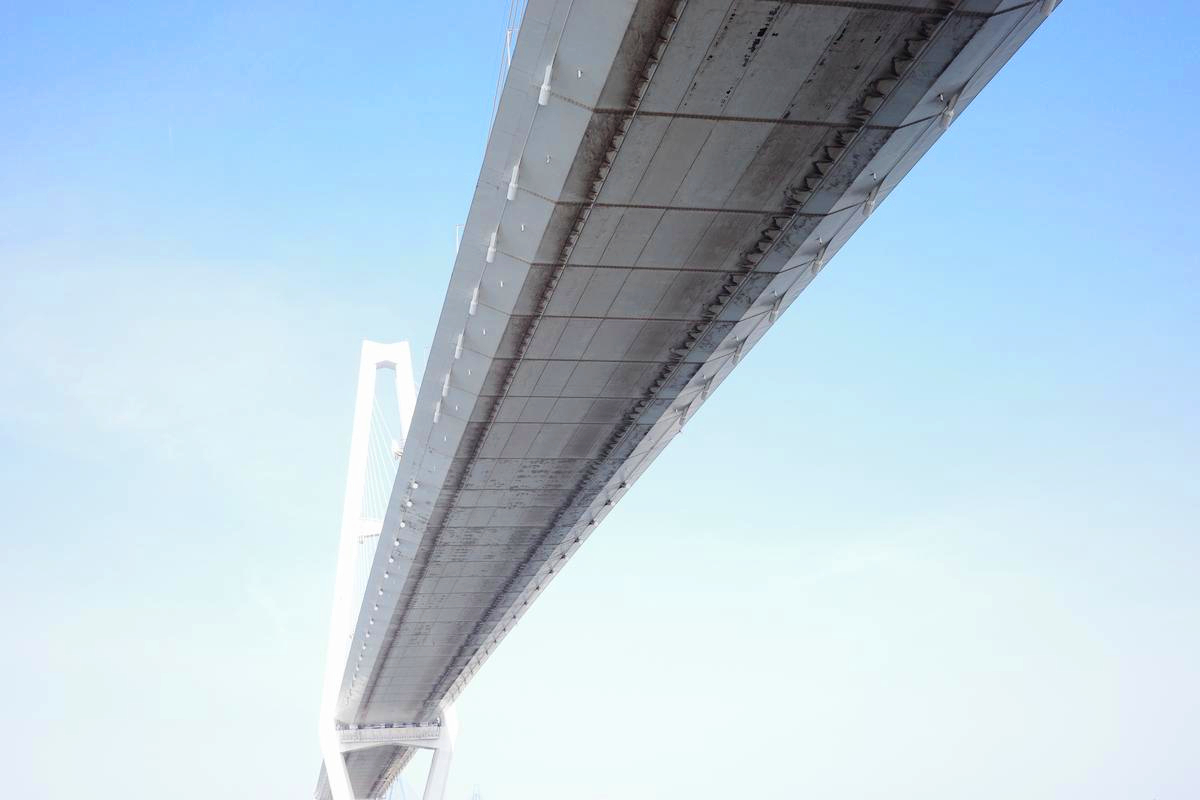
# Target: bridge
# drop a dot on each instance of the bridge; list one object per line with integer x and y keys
{"x": 662, "y": 179}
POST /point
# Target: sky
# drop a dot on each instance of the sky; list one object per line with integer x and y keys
{"x": 938, "y": 537}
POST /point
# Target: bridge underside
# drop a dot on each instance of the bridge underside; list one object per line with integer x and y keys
{"x": 667, "y": 210}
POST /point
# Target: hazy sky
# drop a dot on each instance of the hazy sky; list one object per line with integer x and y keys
{"x": 937, "y": 538}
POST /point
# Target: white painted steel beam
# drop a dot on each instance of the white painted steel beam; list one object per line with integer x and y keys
{"x": 424, "y": 736}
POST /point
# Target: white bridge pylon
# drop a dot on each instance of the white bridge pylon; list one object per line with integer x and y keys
{"x": 359, "y": 524}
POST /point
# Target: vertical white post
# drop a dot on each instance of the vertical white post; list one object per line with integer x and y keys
{"x": 374, "y": 356}
{"x": 439, "y": 768}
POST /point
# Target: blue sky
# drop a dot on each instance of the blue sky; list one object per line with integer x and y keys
{"x": 938, "y": 536}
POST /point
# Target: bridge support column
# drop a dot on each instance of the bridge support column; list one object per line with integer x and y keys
{"x": 335, "y": 764}
{"x": 347, "y": 599}
{"x": 439, "y": 768}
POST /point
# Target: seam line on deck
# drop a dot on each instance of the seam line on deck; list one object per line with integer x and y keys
{"x": 900, "y": 9}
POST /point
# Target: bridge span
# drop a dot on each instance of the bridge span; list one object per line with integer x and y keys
{"x": 662, "y": 179}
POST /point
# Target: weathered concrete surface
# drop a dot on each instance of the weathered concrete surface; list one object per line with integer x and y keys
{"x": 696, "y": 166}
